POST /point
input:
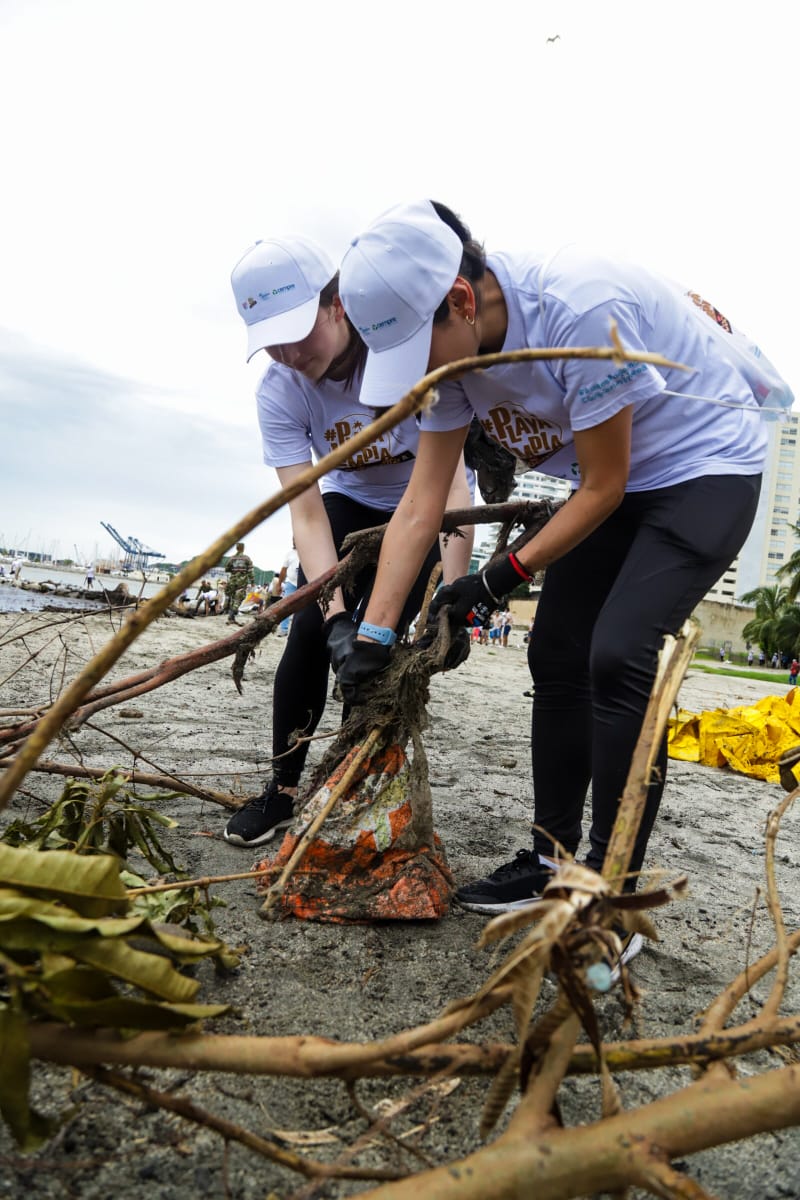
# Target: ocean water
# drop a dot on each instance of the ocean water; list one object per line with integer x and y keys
{"x": 17, "y": 599}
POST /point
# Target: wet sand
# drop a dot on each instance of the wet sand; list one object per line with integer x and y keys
{"x": 362, "y": 982}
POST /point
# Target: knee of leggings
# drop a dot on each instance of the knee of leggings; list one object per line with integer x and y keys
{"x": 307, "y": 623}
{"x": 549, "y": 660}
{"x": 614, "y": 665}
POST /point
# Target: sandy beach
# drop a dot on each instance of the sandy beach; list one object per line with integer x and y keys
{"x": 364, "y": 982}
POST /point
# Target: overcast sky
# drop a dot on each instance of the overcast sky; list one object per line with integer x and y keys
{"x": 145, "y": 145}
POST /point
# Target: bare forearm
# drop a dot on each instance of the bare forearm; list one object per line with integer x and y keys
{"x": 456, "y": 550}
{"x": 405, "y": 546}
{"x": 313, "y": 538}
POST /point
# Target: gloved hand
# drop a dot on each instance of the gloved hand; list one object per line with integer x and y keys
{"x": 363, "y": 663}
{"x": 457, "y": 651}
{"x": 473, "y": 597}
{"x": 340, "y": 637}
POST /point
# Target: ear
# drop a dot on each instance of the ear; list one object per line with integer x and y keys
{"x": 337, "y": 309}
{"x": 461, "y": 298}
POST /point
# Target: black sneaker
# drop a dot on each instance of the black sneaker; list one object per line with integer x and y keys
{"x": 260, "y": 819}
{"x": 514, "y": 885}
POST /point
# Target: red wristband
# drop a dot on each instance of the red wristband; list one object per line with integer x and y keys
{"x": 518, "y": 567}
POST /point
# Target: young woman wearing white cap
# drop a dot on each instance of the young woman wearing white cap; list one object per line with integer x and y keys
{"x": 667, "y": 487}
{"x": 287, "y": 292}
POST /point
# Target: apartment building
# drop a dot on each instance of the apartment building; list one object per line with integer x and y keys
{"x": 771, "y": 542}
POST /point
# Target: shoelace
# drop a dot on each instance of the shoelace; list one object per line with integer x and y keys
{"x": 524, "y": 861}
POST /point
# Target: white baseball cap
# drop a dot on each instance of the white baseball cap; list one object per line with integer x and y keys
{"x": 277, "y": 284}
{"x": 392, "y": 280}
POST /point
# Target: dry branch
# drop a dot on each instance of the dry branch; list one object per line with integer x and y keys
{"x": 607, "y": 1155}
{"x": 235, "y": 1133}
{"x": 149, "y": 779}
{"x": 533, "y": 515}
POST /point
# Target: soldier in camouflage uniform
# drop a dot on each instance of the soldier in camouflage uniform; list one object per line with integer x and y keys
{"x": 240, "y": 579}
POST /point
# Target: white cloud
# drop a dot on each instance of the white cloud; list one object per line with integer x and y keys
{"x": 147, "y": 144}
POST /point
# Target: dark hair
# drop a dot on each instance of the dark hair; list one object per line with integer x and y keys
{"x": 352, "y": 360}
{"x": 473, "y": 258}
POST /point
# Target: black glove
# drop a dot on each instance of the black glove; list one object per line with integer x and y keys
{"x": 363, "y": 663}
{"x": 473, "y": 597}
{"x": 458, "y": 650}
{"x": 340, "y": 636}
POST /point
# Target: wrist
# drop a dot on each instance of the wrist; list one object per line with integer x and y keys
{"x": 501, "y": 578}
{"x": 377, "y": 633}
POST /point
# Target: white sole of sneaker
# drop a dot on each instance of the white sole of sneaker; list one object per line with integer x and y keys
{"x": 235, "y": 840}
{"x": 491, "y": 910}
{"x": 631, "y": 950}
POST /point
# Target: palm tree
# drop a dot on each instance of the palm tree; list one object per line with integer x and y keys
{"x": 788, "y": 630}
{"x": 770, "y": 605}
{"x": 791, "y": 569}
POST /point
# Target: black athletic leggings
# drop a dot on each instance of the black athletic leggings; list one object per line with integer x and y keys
{"x": 301, "y": 680}
{"x": 600, "y": 623}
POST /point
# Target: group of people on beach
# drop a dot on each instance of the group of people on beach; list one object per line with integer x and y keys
{"x": 665, "y": 464}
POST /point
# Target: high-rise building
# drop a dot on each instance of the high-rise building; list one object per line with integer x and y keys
{"x": 771, "y": 542}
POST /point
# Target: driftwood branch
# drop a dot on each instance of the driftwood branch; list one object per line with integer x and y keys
{"x": 189, "y": 1111}
{"x": 533, "y": 515}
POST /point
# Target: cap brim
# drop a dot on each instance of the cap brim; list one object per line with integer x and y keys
{"x": 283, "y": 328}
{"x": 390, "y": 374}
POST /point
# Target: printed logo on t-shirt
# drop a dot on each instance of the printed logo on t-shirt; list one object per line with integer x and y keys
{"x": 710, "y": 311}
{"x": 530, "y": 438}
{"x": 600, "y": 388}
{"x": 376, "y": 454}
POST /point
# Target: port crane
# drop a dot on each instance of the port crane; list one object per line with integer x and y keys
{"x": 136, "y": 553}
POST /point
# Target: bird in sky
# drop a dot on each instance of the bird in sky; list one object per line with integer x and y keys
{"x": 554, "y": 39}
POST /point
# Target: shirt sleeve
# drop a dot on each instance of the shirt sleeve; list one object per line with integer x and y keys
{"x": 452, "y": 410}
{"x": 283, "y": 419}
{"x": 596, "y": 389}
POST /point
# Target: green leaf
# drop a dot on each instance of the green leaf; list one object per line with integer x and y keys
{"x": 56, "y": 916}
{"x": 184, "y": 947}
{"x": 91, "y": 885}
{"x": 150, "y": 972}
{"x": 120, "y": 1012}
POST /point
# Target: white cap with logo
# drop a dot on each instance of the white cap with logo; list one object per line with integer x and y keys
{"x": 392, "y": 280}
{"x": 277, "y": 285}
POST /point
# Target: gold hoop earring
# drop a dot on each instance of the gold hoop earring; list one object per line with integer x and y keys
{"x": 469, "y": 319}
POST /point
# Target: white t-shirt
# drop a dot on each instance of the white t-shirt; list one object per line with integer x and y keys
{"x": 299, "y": 419}
{"x": 292, "y": 564}
{"x": 533, "y": 408}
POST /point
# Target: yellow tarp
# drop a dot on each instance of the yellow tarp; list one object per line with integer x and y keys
{"x": 749, "y": 739}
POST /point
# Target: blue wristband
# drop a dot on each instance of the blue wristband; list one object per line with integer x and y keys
{"x": 377, "y": 633}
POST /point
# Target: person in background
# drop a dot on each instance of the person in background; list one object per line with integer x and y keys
{"x": 206, "y": 599}
{"x": 666, "y": 466}
{"x": 89, "y": 580}
{"x": 287, "y": 292}
{"x": 241, "y": 577}
{"x": 289, "y": 569}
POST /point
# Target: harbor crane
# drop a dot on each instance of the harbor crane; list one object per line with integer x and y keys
{"x": 136, "y": 553}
